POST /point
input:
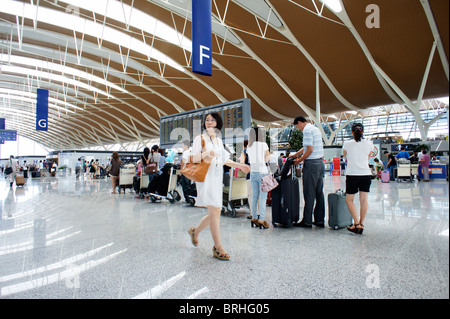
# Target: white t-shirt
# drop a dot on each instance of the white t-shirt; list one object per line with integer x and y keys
{"x": 256, "y": 156}
{"x": 358, "y": 157}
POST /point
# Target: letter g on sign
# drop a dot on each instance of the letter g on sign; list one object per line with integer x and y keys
{"x": 42, "y": 123}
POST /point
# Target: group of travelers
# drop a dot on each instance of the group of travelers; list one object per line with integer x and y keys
{"x": 12, "y": 167}
{"x": 154, "y": 157}
{"x": 422, "y": 158}
{"x": 255, "y": 162}
{"x": 92, "y": 168}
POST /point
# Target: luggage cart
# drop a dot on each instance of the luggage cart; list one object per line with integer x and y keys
{"x": 191, "y": 193}
{"x": 235, "y": 195}
{"x": 404, "y": 171}
{"x": 126, "y": 177}
{"x": 143, "y": 185}
{"x": 415, "y": 171}
{"x": 166, "y": 185}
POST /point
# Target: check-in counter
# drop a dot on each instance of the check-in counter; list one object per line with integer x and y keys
{"x": 436, "y": 171}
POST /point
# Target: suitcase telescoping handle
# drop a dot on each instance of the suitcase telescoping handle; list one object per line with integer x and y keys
{"x": 293, "y": 172}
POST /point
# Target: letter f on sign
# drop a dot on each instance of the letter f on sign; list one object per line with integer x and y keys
{"x": 202, "y": 55}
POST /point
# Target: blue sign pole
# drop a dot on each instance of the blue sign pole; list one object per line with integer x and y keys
{"x": 42, "y": 110}
{"x": 202, "y": 37}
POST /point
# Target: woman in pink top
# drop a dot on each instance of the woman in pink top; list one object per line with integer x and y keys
{"x": 425, "y": 164}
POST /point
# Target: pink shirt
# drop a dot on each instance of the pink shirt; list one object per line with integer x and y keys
{"x": 425, "y": 160}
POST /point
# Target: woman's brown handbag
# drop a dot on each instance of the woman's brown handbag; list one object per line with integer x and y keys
{"x": 151, "y": 168}
{"x": 196, "y": 171}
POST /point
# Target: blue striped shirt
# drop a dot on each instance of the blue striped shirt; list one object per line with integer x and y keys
{"x": 313, "y": 137}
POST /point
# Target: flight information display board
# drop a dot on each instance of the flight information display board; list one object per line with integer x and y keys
{"x": 236, "y": 116}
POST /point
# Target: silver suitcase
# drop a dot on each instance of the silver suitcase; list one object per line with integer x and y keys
{"x": 338, "y": 214}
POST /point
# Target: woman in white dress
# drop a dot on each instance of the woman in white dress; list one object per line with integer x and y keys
{"x": 209, "y": 193}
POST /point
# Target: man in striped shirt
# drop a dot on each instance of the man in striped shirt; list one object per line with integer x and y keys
{"x": 313, "y": 173}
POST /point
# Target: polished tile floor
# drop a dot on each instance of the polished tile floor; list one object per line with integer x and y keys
{"x": 67, "y": 238}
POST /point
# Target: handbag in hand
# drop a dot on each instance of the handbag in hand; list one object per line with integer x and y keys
{"x": 8, "y": 170}
{"x": 196, "y": 171}
{"x": 268, "y": 183}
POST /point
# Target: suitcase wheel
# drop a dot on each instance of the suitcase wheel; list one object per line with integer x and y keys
{"x": 336, "y": 227}
{"x": 232, "y": 212}
{"x": 176, "y": 196}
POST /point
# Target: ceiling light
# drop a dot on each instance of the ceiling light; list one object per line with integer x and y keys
{"x": 52, "y": 77}
{"x": 134, "y": 17}
{"x": 88, "y": 27}
{"x": 65, "y": 70}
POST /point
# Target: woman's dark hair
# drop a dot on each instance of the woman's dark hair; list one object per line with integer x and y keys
{"x": 218, "y": 119}
{"x": 255, "y": 135}
{"x": 146, "y": 152}
{"x": 357, "y": 130}
{"x": 115, "y": 156}
{"x": 155, "y": 148}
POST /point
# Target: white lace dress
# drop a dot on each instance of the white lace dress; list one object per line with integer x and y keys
{"x": 209, "y": 193}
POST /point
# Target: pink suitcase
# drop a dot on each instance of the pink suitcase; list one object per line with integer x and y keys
{"x": 385, "y": 177}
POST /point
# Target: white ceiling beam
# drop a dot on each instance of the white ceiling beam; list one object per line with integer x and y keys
{"x": 437, "y": 36}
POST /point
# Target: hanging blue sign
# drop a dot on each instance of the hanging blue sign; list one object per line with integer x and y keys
{"x": 202, "y": 37}
{"x": 2, "y": 127}
{"x": 42, "y": 110}
{"x": 8, "y": 135}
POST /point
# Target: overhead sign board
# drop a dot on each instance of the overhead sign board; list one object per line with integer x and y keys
{"x": 202, "y": 37}
{"x": 2, "y": 127}
{"x": 42, "y": 110}
{"x": 8, "y": 135}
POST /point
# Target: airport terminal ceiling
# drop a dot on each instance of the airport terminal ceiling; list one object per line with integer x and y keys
{"x": 113, "y": 68}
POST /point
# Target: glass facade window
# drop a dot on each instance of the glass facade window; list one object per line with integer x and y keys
{"x": 403, "y": 124}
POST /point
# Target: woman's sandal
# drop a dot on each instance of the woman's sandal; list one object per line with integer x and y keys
{"x": 361, "y": 229}
{"x": 191, "y": 232}
{"x": 353, "y": 229}
{"x": 220, "y": 256}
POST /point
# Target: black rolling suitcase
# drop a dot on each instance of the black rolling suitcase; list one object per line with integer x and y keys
{"x": 338, "y": 214}
{"x": 286, "y": 200}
